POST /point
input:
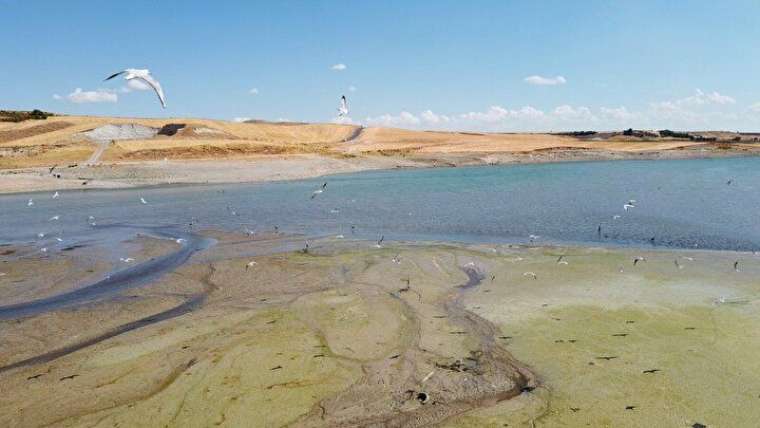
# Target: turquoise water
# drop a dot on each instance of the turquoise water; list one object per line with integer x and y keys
{"x": 679, "y": 203}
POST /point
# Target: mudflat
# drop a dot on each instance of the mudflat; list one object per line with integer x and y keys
{"x": 258, "y": 331}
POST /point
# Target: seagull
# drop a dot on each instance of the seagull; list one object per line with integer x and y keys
{"x": 638, "y": 259}
{"x": 55, "y": 195}
{"x": 318, "y": 191}
{"x": 126, "y": 260}
{"x": 30, "y": 203}
{"x": 560, "y": 260}
{"x": 143, "y": 201}
{"x": 54, "y": 218}
{"x": 382, "y": 238}
{"x": 91, "y": 220}
{"x": 59, "y": 239}
{"x": 181, "y": 241}
{"x": 145, "y": 77}
{"x": 629, "y": 204}
{"x": 533, "y": 237}
{"x": 249, "y": 264}
{"x": 339, "y": 236}
{"x": 40, "y": 235}
{"x": 736, "y": 265}
{"x": 343, "y": 109}
{"x": 615, "y": 217}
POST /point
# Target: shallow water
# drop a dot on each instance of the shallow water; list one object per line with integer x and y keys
{"x": 680, "y": 203}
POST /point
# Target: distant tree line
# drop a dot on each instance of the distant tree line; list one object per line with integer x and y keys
{"x": 20, "y": 116}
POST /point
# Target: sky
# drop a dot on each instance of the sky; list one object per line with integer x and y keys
{"x": 480, "y": 65}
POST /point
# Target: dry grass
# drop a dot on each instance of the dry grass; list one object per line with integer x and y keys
{"x": 59, "y": 140}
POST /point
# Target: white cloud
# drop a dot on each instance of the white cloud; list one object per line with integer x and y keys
{"x": 254, "y": 91}
{"x": 339, "y": 67}
{"x": 352, "y": 88}
{"x": 570, "y": 113}
{"x": 57, "y": 97}
{"x": 617, "y": 113}
{"x": 700, "y": 111}
{"x": 403, "y": 119}
{"x": 493, "y": 114}
{"x": 99, "y": 96}
{"x": 701, "y": 98}
{"x": 429, "y": 117}
{"x": 545, "y": 81}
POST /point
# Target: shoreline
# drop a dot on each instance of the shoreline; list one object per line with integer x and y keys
{"x": 270, "y": 169}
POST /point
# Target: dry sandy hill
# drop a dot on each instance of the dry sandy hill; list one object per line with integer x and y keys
{"x": 62, "y": 139}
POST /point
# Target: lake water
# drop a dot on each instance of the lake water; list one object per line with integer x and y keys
{"x": 679, "y": 203}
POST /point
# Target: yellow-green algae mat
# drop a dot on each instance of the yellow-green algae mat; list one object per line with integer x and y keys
{"x": 670, "y": 341}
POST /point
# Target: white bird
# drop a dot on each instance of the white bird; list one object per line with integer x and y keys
{"x": 91, "y": 220}
{"x": 533, "y": 237}
{"x": 59, "y": 239}
{"x": 343, "y": 109}
{"x": 319, "y": 191}
{"x": 44, "y": 250}
{"x": 628, "y": 205}
{"x": 55, "y": 195}
{"x": 142, "y": 76}
{"x": 250, "y": 264}
{"x": 30, "y": 203}
{"x": 561, "y": 260}
{"x": 339, "y": 236}
{"x": 40, "y": 235}
{"x": 126, "y": 260}
{"x": 382, "y": 238}
{"x": 143, "y": 201}
{"x": 615, "y": 217}
{"x": 181, "y": 241}
{"x": 54, "y": 218}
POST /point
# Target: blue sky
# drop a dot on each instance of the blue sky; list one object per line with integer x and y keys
{"x": 481, "y": 65}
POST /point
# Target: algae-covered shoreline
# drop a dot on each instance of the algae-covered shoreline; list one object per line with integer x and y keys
{"x": 348, "y": 334}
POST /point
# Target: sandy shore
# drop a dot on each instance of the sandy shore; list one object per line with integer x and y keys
{"x": 64, "y": 152}
{"x": 348, "y": 334}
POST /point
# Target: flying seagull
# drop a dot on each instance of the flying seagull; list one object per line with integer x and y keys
{"x": 380, "y": 241}
{"x": 145, "y": 77}
{"x": 629, "y": 204}
{"x": 343, "y": 109}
